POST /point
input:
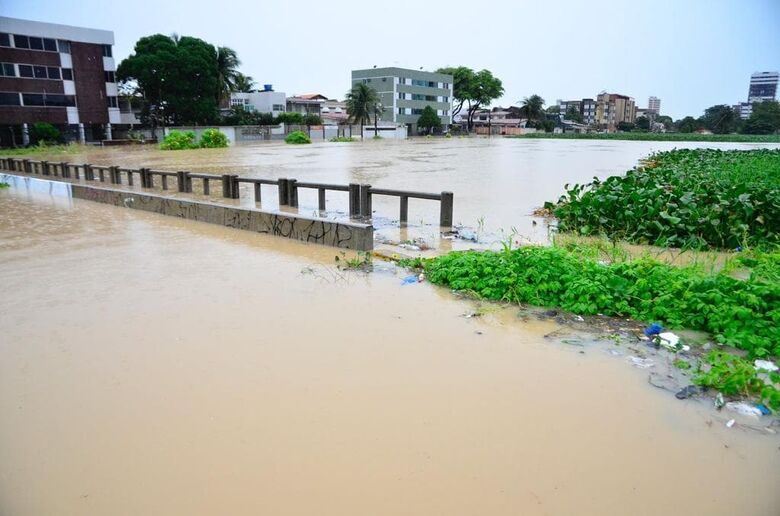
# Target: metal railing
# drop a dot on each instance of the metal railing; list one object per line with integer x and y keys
{"x": 360, "y": 195}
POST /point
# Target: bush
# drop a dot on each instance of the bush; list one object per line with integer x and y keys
{"x": 342, "y": 139}
{"x": 297, "y": 137}
{"x": 213, "y": 138}
{"x": 42, "y": 132}
{"x": 178, "y": 140}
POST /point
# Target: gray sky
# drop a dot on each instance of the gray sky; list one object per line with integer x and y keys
{"x": 690, "y": 53}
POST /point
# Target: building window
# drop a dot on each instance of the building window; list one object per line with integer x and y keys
{"x": 446, "y": 85}
{"x": 67, "y": 74}
{"x": 384, "y": 79}
{"x": 400, "y": 111}
{"x": 9, "y": 99}
{"x": 402, "y": 96}
{"x": 5, "y": 39}
{"x": 107, "y": 51}
{"x": 25, "y": 71}
{"x": 33, "y": 99}
{"x": 111, "y": 101}
{"x": 50, "y": 45}
{"x": 63, "y": 46}
{"x": 7, "y": 70}
{"x": 53, "y": 72}
{"x": 40, "y": 72}
{"x": 110, "y": 76}
{"x": 21, "y": 41}
{"x": 63, "y": 101}
{"x": 278, "y": 107}
{"x": 416, "y": 111}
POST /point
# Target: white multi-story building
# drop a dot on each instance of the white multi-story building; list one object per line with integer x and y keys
{"x": 265, "y": 101}
{"x": 654, "y": 105}
{"x": 763, "y": 86}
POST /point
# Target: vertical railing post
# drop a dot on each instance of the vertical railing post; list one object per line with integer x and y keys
{"x": 89, "y": 174}
{"x": 76, "y": 173}
{"x": 445, "y": 216}
{"x": 258, "y": 194}
{"x": 149, "y": 178}
{"x": 164, "y": 181}
{"x": 234, "y": 189}
{"x": 187, "y": 182}
{"x": 45, "y": 168}
{"x": 292, "y": 192}
{"x": 181, "y": 182}
{"x": 354, "y": 199}
{"x": 226, "y": 186}
{"x": 129, "y": 177}
{"x": 404, "y": 216}
{"x": 321, "y": 197}
{"x": 142, "y": 176}
{"x": 102, "y": 174}
{"x": 65, "y": 169}
{"x": 205, "y": 186}
{"x": 27, "y": 166}
{"x": 116, "y": 178}
{"x": 282, "y": 182}
{"x": 365, "y": 201}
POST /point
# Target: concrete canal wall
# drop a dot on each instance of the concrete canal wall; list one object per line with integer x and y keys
{"x": 346, "y": 235}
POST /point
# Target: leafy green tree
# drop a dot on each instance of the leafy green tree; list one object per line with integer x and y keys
{"x": 290, "y": 118}
{"x": 764, "y": 118}
{"x": 720, "y": 119}
{"x": 553, "y": 110}
{"x": 227, "y": 72}
{"x": 44, "y": 132}
{"x": 688, "y": 125}
{"x": 666, "y": 120}
{"x": 572, "y": 113}
{"x": 475, "y": 89}
{"x": 177, "y": 77}
{"x": 625, "y": 126}
{"x": 243, "y": 83}
{"x": 311, "y": 119}
{"x": 643, "y": 123}
{"x": 533, "y": 108}
{"x": 361, "y": 101}
{"x": 429, "y": 121}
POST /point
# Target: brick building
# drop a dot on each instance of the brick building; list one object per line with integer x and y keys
{"x": 58, "y": 74}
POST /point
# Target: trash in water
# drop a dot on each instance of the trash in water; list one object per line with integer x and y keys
{"x": 421, "y": 278}
{"x": 409, "y": 280}
{"x": 615, "y": 352}
{"x": 467, "y": 234}
{"x": 410, "y": 247}
{"x": 743, "y": 408}
{"x": 765, "y": 365}
{"x": 671, "y": 341}
{"x": 687, "y": 392}
{"x": 730, "y": 423}
{"x": 641, "y": 363}
{"x": 719, "y": 401}
{"x": 579, "y": 318}
{"x": 653, "y": 329}
{"x": 763, "y": 408}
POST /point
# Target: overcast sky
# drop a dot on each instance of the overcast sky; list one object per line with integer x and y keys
{"x": 690, "y": 53}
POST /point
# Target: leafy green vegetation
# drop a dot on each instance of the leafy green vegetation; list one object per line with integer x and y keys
{"x": 297, "y": 137}
{"x": 213, "y": 138}
{"x": 735, "y": 376}
{"x": 45, "y": 133}
{"x": 42, "y": 148}
{"x": 4, "y": 185}
{"x": 179, "y": 140}
{"x": 342, "y": 139}
{"x": 661, "y": 137}
{"x": 741, "y": 313}
{"x": 361, "y": 261}
{"x": 683, "y": 198}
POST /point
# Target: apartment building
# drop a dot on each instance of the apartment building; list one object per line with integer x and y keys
{"x": 59, "y": 74}
{"x": 654, "y": 105}
{"x": 588, "y": 110}
{"x": 405, "y": 93}
{"x": 763, "y": 86}
{"x": 613, "y": 108}
{"x": 265, "y": 101}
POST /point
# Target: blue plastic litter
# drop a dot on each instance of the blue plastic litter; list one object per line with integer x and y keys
{"x": 653, "y": 329}
{"x": 409, "y": 280}
{"x": 763, "y": 408}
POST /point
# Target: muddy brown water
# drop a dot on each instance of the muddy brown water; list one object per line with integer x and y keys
{"x": 151, "y": 365}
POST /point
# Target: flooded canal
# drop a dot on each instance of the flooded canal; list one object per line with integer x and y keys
{"x": 497, "y": 182}
{"x": 153, "y": 365}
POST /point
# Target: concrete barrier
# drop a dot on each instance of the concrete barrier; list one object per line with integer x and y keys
{"x": 345, "y": 235}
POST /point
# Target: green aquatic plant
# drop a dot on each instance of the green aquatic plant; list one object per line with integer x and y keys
{"x": 212, "y": 139}
{"x": 179, "y": 140}
{"x": 657, "y": 137}
{"x": 297, "y": 138}
{"x": 735, "y": 376}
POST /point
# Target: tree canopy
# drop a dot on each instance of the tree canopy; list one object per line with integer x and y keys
{"x": 429, "y": 121}
{"x": 719, "y": 119}
{"x": 533, "y": 108}
{"x": 362, "y": 103}
{"x": 572, "y": 113}
{"x": 764, "y": 118}
{"x": 474, "y": 89}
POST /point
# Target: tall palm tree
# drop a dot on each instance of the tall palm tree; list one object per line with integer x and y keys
{"x": 227, "y": 71}
{"x": 533, "y": 107}
{"x": 244, "y": 83}
{"x": 362, "y": 102}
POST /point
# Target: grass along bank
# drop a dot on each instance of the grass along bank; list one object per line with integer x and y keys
{"x": 658, "y": 137}
{"x": 691, "y": 198}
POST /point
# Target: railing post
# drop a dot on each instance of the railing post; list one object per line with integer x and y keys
{"x": 163, "y": 181}
{"x": 27, "y": 166}
{"x": 321, "y": 198}
{"x": 282, "y": 182}
{"x": 65, "y": 169}
{"x": 129, "y": 177}
{"x": 76, "y": 172}
{"x": 44, "y": 168}
{"x": 404, "y": 216}
{"x": 235, "y": 192}
{"x": 292, "y": 192}
{"x": 258, "y": 194}
{"x": 354, "y": 199}
{"x": 365, "y": 201}
{"x": 115, "y": 177}
{"x": 102, "y": 174}
{"x": 89, "y": 174}
{"x": 445, "y": 216}
{"x": 187, "y": 182}
{"x": 226, "y": 186}
{"x": 181, "y": 182}
{"x": 144, "y": 179}
{"x": 149, "y": 178}
{"x": 205, "y": 186}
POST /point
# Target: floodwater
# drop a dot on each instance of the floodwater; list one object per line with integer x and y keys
{"x": 158, "y": 366}
{"x": 497, "y": 182}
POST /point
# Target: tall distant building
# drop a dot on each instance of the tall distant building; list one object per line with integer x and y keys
{"x": 613, "y": 108}
{"x": 654, "y": 105}
{"x": 405, "y": 93}
{"x": 763, "y": 86}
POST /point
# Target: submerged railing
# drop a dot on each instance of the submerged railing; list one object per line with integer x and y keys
{"x": 360, "y": 195}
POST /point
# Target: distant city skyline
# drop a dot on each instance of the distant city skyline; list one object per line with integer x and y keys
{"x": 692, "y": 55}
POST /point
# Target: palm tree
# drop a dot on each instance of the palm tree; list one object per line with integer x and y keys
{"x": 227, "y": 72}
{"x": 378, "y": 110}
{"x": 533, "y": 107}
{"x": 244, "y": 83}
{"x": 362, "y": 102}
